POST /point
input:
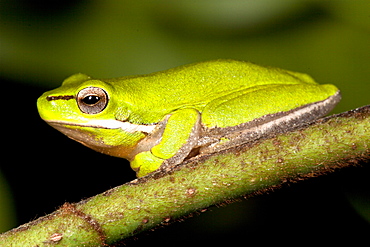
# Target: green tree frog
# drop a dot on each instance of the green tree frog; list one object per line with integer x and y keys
{"x": 160, "y": 119}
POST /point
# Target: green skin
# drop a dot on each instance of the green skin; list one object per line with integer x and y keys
{"x": 157, "y": 120}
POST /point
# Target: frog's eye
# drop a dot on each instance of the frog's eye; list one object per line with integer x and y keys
{"x": 92, "y": 100}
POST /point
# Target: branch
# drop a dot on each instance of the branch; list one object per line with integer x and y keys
{"x": 310, "y": 150}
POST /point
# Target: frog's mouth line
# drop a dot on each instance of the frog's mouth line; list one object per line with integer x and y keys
{"x": 109, "y": 124}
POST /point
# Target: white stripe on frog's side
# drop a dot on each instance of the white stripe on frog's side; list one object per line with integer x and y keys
{"x": 126, "y": 126}
{"x": 111, "y": 124}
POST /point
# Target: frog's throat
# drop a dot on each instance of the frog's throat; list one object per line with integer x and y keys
{"x": 109, "y": 124}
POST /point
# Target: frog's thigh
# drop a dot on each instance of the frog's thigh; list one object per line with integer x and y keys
{"x": 180, "y": 134}
{"x": 245, "y": 105}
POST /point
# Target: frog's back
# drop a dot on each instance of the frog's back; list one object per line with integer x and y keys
{"x": 195, "y": 85}
{"x": 206, "y": 81}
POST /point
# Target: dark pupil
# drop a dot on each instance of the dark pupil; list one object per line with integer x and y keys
{"x": 91, "y": 99}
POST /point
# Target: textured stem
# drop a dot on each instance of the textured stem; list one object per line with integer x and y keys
{"x": 310, "y": 150}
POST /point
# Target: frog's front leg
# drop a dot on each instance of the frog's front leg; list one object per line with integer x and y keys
{"x": 179, "y": 138}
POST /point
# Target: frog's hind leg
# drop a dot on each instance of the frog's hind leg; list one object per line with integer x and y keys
{"x": 248, "y": 115}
